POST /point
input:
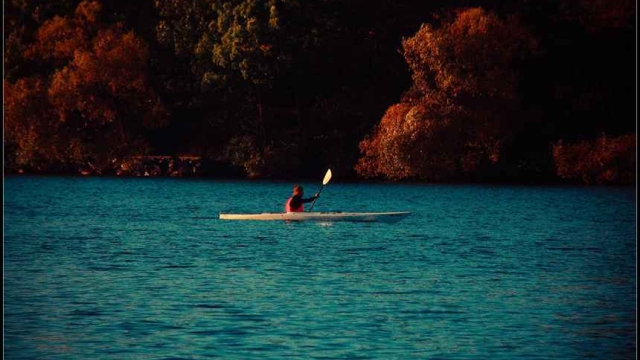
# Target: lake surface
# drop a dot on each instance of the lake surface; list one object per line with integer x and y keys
{"x": 113, "y": 268}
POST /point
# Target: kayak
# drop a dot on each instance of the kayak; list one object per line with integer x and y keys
{"x": 388, "y": 217}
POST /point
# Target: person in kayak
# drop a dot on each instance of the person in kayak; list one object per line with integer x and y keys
{"x": 295, "y": 202}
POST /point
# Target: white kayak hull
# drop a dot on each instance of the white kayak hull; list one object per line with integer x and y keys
{"x": 389, "y": 217}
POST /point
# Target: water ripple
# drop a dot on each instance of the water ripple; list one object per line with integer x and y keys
{"x": 143, "y": 268}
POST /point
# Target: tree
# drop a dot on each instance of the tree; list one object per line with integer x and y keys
{"x": 22, "y": 18}
{"x": 29, "y": 129}
{"x": 463, "y": 108}
{"x": 605, "y": 160}
{"x": 93, "y": 105}
{"x": 239, "y": 52}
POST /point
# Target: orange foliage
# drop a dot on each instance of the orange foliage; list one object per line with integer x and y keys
{"x": 27, "y": 122}
{"x": 114, "y": 65}
{"x": 96, "y": 101}
{"x": 88, "y": 12}
{"x": 380, "y": 151}
{"x": 603, "y": 161}
{"x": 103, "y": 76}
{"x": 459, "y": 113}
{"x": 57, "y": 39}
{"x": 413, "y": 141}
{"x": 473, "y": 54}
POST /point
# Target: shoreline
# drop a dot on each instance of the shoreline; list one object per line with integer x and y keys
{"x": 197, "y": 167}
{"x": 346, "y": 180}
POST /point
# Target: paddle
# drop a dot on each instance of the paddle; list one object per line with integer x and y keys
{"x": 325, "y": 181}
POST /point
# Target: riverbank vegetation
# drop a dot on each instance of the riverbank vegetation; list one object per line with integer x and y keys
{"x": 430, "y": 91}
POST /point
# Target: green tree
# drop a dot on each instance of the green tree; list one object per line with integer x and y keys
{"x": 239, "y": 52}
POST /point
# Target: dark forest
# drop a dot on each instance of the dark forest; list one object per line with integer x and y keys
{"x": 437, "y": 91}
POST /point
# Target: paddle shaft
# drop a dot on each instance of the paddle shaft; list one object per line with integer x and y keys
{"x": 314, "y": 200}
{"x": 325, "y": 181}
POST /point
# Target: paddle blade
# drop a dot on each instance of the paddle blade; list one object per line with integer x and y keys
{"x": 327, "y": 177}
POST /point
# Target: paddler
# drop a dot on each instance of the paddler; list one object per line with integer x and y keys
{"x": 295, "y": 202}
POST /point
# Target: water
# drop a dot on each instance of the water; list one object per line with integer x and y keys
{"x": 111, "y": 268}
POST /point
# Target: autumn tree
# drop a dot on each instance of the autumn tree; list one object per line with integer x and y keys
{"x": 463, "y": 108}
{"x": 93, "y": 105}
{"x": 28, "y": 125}
{"x": 287, "y": 87}
{"x": 22, "y": 18}
{"x": 606, "y": 160}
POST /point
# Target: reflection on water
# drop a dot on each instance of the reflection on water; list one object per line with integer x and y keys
{"x": 142, "y": 268}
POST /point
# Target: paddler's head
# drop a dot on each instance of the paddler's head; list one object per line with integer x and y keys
{"x": 297, "y": 190}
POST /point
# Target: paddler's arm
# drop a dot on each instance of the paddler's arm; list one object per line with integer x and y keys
{"x": 310, "y": 199}
{"x": 296, "y": 201}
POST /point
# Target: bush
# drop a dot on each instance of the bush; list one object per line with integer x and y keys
{"x": 602, "y": 161}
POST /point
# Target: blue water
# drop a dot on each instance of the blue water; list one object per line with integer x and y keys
{"x": 111, "y": 268}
